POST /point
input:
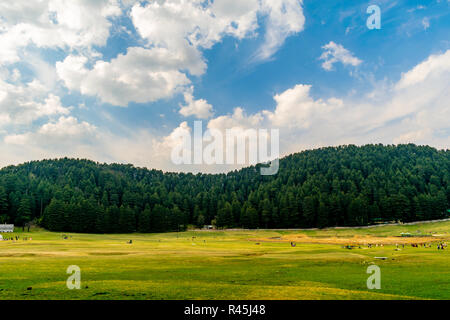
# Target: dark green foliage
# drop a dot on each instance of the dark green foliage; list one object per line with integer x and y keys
{"x": 145, "y": 220}
{"x": 3, "y": 205}
{"x": 23, "y": 212}
{"x": 343, "y": 186}
{"x": 54, "y": 216}
{"x": 127, "y": 220}
{"x": 225, "y": 216}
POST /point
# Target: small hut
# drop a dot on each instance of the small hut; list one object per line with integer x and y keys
{"x": 6, "y": 228}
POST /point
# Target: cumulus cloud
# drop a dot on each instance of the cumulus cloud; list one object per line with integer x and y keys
{"x": 199, "y": 108}
{"x": 70, "y": 137}
{"x": 176, "y": 33}
{"x": 296, "y": 108}
{"x": 416, "y": 109}
{"x": 141, "y": 75}
{"x": 64, "y": 137}
{"x": 66, "y": 24}
{"x": 334, "y": 53}
{"x": 177, "y": 24}
{"x": 238, "y": 119}
{"x": 437, "y": 65}
{"x": 65, "y": 131}
{"x": 35, "y": 124}
{"x": 24, "y": 103}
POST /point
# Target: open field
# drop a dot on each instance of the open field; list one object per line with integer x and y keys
{"x": 229, "y": 265}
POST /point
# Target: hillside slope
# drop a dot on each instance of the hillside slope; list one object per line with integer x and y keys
{"x": 335, "y": 186}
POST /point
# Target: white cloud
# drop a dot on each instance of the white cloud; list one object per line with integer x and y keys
{"x": 296, "y": 108}
{"x": 24, "y": 103}
{"x": 142, "y": 75}
{"x": 176, "y": 33}
{"x": 415, "y": 109}
{"x": 239, "y": 119}
{"x": 285, "y": 18}
{"x": 70, "y": 137}
{"x": 177, "y": 24}
{"x": 52, "y": 106}
{"x": 64, "y": 131}
{"x": 418, "y": 135}
{"x": 434, "y": 66}
{"x": 65, "y": 137}
{"x": 66, "y": 24}
{"x": 199, "y": 108}
{"x": 426, "y": 23}
{"x": 67, "y": 127}
{"x": 337, "y": 53}
{"x": 70, "y": 25}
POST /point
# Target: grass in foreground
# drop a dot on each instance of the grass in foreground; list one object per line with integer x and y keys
{"x": 226, "y": 265}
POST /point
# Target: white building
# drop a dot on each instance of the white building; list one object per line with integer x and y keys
{"x": 4, "y": 228}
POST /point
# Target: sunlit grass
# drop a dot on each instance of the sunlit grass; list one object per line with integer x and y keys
{"x": 223, "y": 265}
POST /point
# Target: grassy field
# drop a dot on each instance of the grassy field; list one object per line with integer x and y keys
{"x": 229, "y": 265}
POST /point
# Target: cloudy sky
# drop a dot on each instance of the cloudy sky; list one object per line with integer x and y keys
{"x": 114, "y": 81}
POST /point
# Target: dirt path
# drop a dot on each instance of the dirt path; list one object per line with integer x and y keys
{"x": 355, "y": 240}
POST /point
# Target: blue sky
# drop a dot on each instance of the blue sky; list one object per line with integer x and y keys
{"x": 108, "y": 79}
{"x": 232, "y": 80}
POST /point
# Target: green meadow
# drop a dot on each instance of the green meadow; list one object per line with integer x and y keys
{"x": 231, "y": 264}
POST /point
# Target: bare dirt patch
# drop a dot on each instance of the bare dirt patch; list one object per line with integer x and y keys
{"x": 109, "y": 253}
{"x": 17, "y": 255}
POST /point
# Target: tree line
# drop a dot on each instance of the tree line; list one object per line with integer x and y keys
{"x": 333, "y": 186}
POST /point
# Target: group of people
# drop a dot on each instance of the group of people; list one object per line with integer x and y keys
{"x": 441, "y": 246}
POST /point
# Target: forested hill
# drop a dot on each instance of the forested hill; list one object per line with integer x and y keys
{"x": 335, "y": 186}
